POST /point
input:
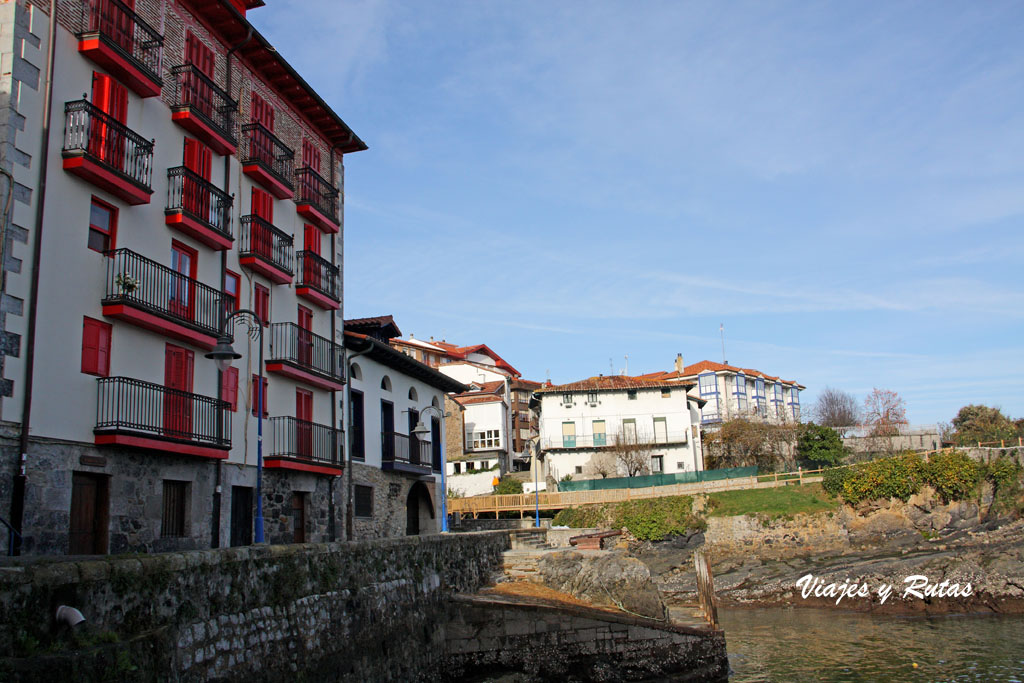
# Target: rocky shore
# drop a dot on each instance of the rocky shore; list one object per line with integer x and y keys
{"x": 758, "y": 563}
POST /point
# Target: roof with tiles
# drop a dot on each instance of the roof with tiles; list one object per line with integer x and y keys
{"x": 610, "y": 383}
{"x": 459, "y": 353}
{"x": 474, "y": 398}
{"x": 712, "y": 366}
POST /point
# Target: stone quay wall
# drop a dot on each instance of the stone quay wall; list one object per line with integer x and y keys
{"x": 361, "y": 611}
{"x": 493, "y": 637}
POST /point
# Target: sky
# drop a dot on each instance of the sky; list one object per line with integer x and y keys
{"x": 839, "y": 185}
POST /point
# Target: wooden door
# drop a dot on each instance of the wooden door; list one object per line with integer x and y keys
{"x": 305, "y": 336}
{"x": 183, "y": 263}
{"x": 198, "y": 92}
{"x": 311, "y": 265}
{"x": 178, "y": 378}
{"x": 261, "y": 236}
{"x": 298, "y": 518}
{"x": 107, "y": 141}
{"x": 117, "y": 24}
{"x": 196, "y": 195}
{"x": 87, "y": 532}
{"x": 414, "y": 443}
{"x": 260, "y": 146}
{"x": 387, "y": 428}
{"x": 304, "y": 423}
{"x": 241, "y": 515}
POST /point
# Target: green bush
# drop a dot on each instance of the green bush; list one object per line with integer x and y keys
{"x": 897, "y": 477}
{"x": 508, "y": 484}
{"x": 953, "y": 475}
{"x": 656, "y": 519}
{"x": 819, "y": 446}
{"x": 1002, "y": 472}
{"x": 583, "y": 517}
{"x": 832, "y": 480}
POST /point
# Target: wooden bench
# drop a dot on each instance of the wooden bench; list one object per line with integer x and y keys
{"x": 592, "y": 541}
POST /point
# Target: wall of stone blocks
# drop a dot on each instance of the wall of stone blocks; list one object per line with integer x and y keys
{"x": 390, "y": 492}
{"x": 361, "y": 611}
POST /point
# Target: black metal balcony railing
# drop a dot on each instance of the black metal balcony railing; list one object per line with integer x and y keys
{"x": 260, "y": 238}
{"x": 193, "y": 194}
{"x": 126, "y": 32}
{"x": 194, "y": 89}
{"x": 294, "y": 438}
{"x": 137, "y": 281}
{"x": 132, "y": 405}
{"x": 312, "y": 189}
{"x": 91, "y": 131}
{"x": 289, "y": 342}
{"x": 395, "y": 447}
{"x": 261, "y": 146}
{"x": 317, "y": 272}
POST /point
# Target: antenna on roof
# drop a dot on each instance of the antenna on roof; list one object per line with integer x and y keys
{"x": 547, "y": 374}
{"x": 721, "y": 330}
{"x": 626, "y": 371}
{"x": 611, "y": 367}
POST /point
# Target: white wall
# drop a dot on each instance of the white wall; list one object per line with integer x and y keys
{"x": 465, "y": 373}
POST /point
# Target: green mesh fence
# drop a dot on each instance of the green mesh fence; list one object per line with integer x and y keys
{"x": 656, "y": 479}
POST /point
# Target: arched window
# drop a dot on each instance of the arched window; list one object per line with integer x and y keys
{"x": 385, "y": 383}
{"x": 434, "y": 402}
{"x": 413, "y": 396}
{"x": 356, "y": 373}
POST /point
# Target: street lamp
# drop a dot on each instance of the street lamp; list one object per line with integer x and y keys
{"x": 223, "y": 355}
{"x": 419, "y": 431}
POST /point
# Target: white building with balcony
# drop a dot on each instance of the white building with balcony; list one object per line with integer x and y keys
{"x": 589, "y": 428}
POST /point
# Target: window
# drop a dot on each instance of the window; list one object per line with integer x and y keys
{"x": 568, "y": 435}
{"x": 95, "y": 347}
{"x": 298, "y": 517}
{"x": 175, "y": 509}
{"x": 741, "y": 392}
{"x": 579, "y": 469}
{"x": 102, "y": 226}
{"x": 657, "y": 464}
{"x": 198, "y": 54}
{"x": 470, "y": 467}
{"x": 490, "y": 438}
{"x": 660, "y": 430}
{"x": 708, "y": 385}
{"x": 261, "y": 302}
{"x": 364, "y": 501}
{"x": 231, "y": 282}
{"x": 229, "y": 387}
{"x": 458, "y": 468}
{"x": 262, "y": 112}
{"x": 385, "y": 383}
{"x": 356, "y": 417}
{"x": 413, "y": 396}
{"x": 600, "y": 436}
{"x": 254, "y": 397}
{"x": 592, "y": 397}
{"x": 629, "y": 431}
{"x": 567, "y": 399}
{"x": 666, "y": 392}
{"x": 631, "y": 394}
{"x": 310, "y": 155}
{"x": 681, "y": 466}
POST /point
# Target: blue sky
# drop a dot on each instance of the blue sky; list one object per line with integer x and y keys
{"x": 840, "y": 184}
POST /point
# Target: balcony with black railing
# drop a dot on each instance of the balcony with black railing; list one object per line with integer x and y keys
{"x": 151, "y": 295}
{"x": 319, "y": 280}
{"x": 404, "y": 453}
{"x": 305, "y": 357}
{"x": 204, "y": 109}
{"x": 113, "y": 36}
{"x": 198, "y": 208}
{"x": 305, "y": 446}
{"x": 316, "y": 200}
{"x": 266, "y": 250}
{"x": 267, "y": 160}
{"x": 103, "y": 151}
{"x": 138, "y": 414}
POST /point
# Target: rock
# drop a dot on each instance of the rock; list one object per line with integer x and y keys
{"x": 610, "y": 579}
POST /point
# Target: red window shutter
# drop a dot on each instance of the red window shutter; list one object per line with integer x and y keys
{"x": 95, "y": 347}
{"x": 110, "y": 96}
{"x": 263, "y": 205}
{"x": 198, "y": 54}
{"x": 305, "y": 318}
{"x": 310, "y": 155}
{"x": 311, "y": 238}
{"x": 262, "y": 112}
{"x": 254, "y": 395}
{"x": 229, "y": 387}
{"x": 198, "y": 158}
{"x": 304, "y": 405}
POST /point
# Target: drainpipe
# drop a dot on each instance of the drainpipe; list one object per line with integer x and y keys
{"x": 20, "y": 478}
{"x": 334, "y": 334}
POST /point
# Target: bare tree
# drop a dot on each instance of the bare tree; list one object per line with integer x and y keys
{"x": 745, "y": 443}
{"x": 603, "y": 464}
{"x": 633, "y": 452}
{"x": 884, "y": 412}
{"x": 837, "y": 409}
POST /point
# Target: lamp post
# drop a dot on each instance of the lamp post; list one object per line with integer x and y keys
{"x": 420, "y": 430}
{"x": 223, "y": 355}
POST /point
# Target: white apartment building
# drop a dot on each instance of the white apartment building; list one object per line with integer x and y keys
{"x": 189, "y": 172}
{"x": 732, "y": 392}
{"x": 582, "y": 424}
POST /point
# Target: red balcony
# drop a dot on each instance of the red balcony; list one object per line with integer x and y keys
{"x": 152, "y": 296}
{"x": 267, "y": 160}
{"x": 198, "y": 208}
{"x": 305, "y": 357}
{"x": 266, "y": 250}
{"x": 319, "y": 281}
{"x": 115, "y": 38}
{"x": 106, "y": 153}
{"x": 304, "y": 446}
{"x": 316, "y": 200}
{"x": 203, "y": 109}
{"x": 138, "y": 414}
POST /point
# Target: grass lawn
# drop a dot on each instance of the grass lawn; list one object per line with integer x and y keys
{"x": 776, "y": 502}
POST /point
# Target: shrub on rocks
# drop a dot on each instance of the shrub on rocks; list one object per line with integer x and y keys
{"x": 953, "y": 475}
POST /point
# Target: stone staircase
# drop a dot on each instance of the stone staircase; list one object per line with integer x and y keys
{"x": 528, "y": 546}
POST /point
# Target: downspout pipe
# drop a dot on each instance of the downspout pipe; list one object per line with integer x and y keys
{"x": 331, "y": 531}
{"x": 21, "y": 476}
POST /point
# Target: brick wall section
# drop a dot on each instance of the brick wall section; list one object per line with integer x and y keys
{"x": 362, "y": 611}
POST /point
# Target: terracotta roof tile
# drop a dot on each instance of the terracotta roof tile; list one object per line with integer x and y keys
{"x": 609, "y": 383}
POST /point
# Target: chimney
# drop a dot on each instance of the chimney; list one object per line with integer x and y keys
{"x": 679, "y": 363}
{"x": 548, "y": 383}
{"x": 411, "y": 335}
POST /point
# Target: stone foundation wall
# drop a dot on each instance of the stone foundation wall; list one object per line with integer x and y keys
{"x": 361, "y": 611}
{"x": 390, "y": 492}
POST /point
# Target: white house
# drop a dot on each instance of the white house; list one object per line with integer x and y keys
{"x": 732, "y": 392}
{"x": 588, "y": 428}
{"x": 394, "y": 478}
